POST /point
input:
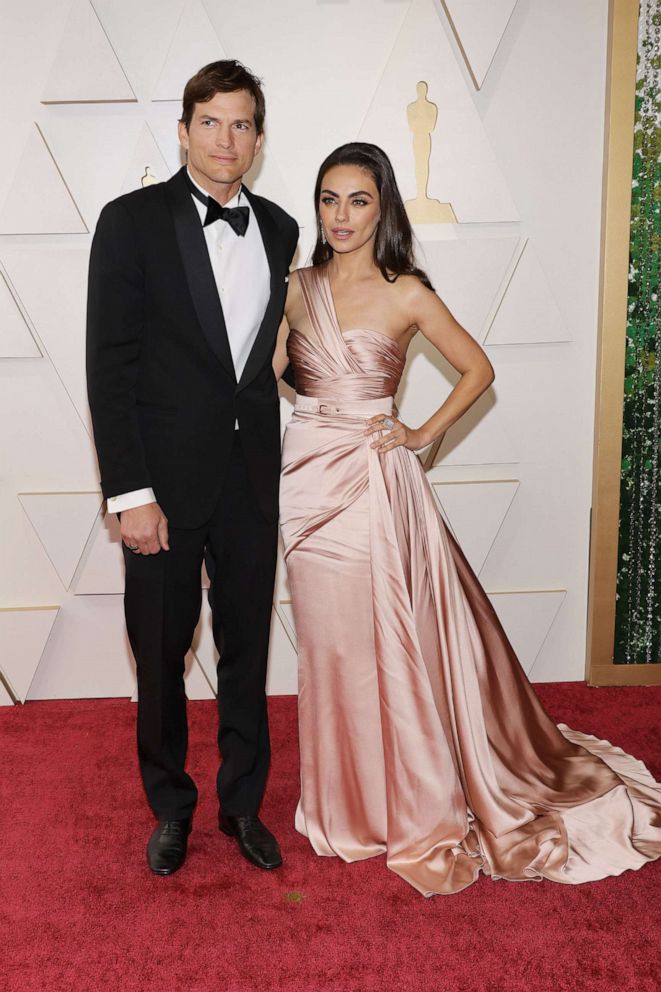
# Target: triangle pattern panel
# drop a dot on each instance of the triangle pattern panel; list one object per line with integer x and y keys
{"x": 266, "y": 179}
{"x": 203, "y": 646}
{"x": 16, "y": 341}
{"x": 285, "y": 612}
{"x": 527, "y": 618}
{"x": 561, "y": 657}
{"x": 469, "y": 274}
{"x": 5, "y": 698}
{"x": 281, "y": 590}
{"x": 162, "y": 119}
{"x": 306, "y": 47}
{"x": 463, "y": 170}
{"x": 55, "y": 303}
{"x": 41, "y": 436}
{"x": 140, "y": 34}
{"x": 62, "y": 522}
{"x": 94, "y": 154}
{"x": 479, "y": 438}
{"x": 194, "y": 44}
{"x": 147, "y": 165}
{"x": 101, "y": 569}
{"x": 281, "y": 679}
{"x": 286, "y": 405}
{"x": 479, "y": 28}
{"x": 282, "y": 598}
{"x": 475, "y": 511}
{"x": 528, "y": 313}
{"x": 23, "y": 634}
{"x": 87, "y": 654}
{"x": 195, "y": 679}
{"x": 38, "y": 201}
{"x": 86, "y": 69}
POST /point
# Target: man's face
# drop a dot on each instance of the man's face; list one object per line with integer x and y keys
{"x": 222, "y": 142}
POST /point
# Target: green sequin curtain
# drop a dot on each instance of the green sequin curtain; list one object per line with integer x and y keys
{"x": 638, "y": 610}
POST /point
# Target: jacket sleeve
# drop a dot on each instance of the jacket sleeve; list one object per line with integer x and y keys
{"x": 115, "y": 320}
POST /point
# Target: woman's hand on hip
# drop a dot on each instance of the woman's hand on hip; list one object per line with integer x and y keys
{"x": 393, "y": 434}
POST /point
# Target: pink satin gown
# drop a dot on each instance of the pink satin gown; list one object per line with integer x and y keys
{"x": 420, "y": 735}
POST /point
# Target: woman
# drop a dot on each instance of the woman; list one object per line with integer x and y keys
{"x": 420, "y": 734}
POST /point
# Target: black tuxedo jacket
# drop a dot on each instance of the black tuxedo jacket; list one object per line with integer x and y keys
{"x": 161, "y": 384}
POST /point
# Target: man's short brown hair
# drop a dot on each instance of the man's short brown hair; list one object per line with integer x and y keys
{"x": 226, "y": 76}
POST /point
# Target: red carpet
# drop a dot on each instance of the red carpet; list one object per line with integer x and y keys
{"x": 80, "y": 910}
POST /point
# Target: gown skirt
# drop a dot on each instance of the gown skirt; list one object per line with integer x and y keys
{"x": 420, "y": 735}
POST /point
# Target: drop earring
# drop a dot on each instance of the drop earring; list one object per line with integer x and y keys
{"x": 323, "y": 234}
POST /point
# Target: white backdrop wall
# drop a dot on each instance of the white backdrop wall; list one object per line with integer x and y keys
{"x": 90, "y": 97}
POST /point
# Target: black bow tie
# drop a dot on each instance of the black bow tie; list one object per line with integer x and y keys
{"x": 236, "y": 217}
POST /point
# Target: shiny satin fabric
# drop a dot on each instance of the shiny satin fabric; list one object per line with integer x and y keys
{"x": 420, "y": 735}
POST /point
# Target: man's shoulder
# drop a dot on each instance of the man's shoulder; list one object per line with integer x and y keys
{"x": 138, "y": 200}
{"x": 280, "y": 216}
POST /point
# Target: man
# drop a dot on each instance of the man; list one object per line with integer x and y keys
{"x": 186, "y": 290}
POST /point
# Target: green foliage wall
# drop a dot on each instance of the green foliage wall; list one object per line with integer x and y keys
{"x": 638, "y": 612}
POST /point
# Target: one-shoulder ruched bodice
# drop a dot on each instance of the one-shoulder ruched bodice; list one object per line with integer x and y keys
{"x": 377, "y": 359}
{"x": 358, "y": 364}
{"x": 421, "y": 737}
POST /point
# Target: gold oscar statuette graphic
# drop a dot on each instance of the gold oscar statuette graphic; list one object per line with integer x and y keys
{"x": 148, "y": 179}
{"x": 422, "y": 115}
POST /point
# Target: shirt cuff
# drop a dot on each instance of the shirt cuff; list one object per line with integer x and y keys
{"x": 128, "y": 501}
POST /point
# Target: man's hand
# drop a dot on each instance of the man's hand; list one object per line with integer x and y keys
{"x": 144, "y": 529}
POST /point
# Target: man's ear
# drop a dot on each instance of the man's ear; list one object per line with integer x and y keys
{"x": 183, "y": 134}
{"x": 259, "y": 142}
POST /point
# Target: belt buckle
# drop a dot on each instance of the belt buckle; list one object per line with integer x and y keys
{"x": 324, "y": 408}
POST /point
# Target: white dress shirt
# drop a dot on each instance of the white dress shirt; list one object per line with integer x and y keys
{"x": 243, "y": 279}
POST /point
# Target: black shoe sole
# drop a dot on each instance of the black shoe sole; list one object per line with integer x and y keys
{"x": 164, "y": 872}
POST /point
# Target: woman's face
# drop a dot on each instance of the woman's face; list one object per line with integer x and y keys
{"x": 349, "y": 207}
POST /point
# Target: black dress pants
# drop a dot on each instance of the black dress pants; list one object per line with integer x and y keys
{"x": 162, "y": 604}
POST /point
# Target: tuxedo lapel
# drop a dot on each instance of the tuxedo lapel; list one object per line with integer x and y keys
{"x": 267, "y": 330}
{"x": 197, "y": 266}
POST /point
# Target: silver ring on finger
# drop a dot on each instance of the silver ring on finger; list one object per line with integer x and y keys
{"x": 388, "y": 423}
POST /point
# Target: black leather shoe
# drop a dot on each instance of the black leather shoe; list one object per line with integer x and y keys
{"x": 256, "y": 843}
{"x": 166, "y": 849}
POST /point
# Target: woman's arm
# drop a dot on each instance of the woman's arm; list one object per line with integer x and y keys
{"x": 280, "y": 359}
{"x": 464, "y": 354}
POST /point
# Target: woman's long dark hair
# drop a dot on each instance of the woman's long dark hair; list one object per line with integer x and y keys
{"x": 393, "y": 244}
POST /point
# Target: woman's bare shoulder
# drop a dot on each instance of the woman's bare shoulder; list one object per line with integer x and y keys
{"x": 294, "y": 289}
{"x": 295, "y": 277}
{"x": 411, "y": 298}
{"x": 302, "y": 268}
{"x": 411, "y": 289}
